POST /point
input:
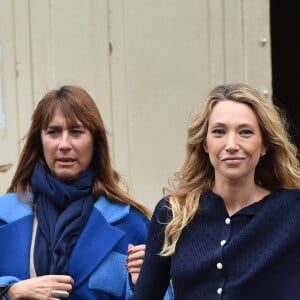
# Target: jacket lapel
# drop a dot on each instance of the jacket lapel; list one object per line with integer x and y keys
{"x": 95, "y": 242}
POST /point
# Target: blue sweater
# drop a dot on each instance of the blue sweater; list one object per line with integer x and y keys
{"x": 252, "y": 255}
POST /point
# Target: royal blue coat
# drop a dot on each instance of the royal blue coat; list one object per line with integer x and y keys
{"x": 97, "y": 263}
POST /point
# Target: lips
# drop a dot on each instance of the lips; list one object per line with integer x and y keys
{"x": 233, "y": 161}
{"x": 232, "y": 158}
{"x": 65, "y": 159}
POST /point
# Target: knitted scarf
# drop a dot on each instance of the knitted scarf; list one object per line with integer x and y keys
{"x": 62, "y": 212}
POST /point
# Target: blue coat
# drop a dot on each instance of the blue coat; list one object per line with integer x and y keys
{"x": 97, "y": 263}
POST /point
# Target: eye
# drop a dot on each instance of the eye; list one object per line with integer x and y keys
{"x": 246, "y": 132}
{"x": 51, "y": 132}
{"x": 76, "y": 132}
{"x": 218, "y": 131}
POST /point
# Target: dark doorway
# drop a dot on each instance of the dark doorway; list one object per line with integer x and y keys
{"x": 285, "y": 45}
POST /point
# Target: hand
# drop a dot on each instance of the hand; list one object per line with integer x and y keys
{"x": 135, "y": 260}
{"x": 40, "y": 288}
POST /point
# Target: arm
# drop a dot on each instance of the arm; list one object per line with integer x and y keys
{"x": 154, "y": 277}
{"x": 134, "y": 263}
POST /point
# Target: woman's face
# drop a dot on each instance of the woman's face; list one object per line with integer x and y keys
{"x": 68, "y": 149}
{"x": 234, "y": 141}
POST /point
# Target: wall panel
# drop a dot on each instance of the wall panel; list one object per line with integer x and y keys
{"x": 23, "y": 64}
{"x": 257, "y": 44}
{"x": 233, "y": 34}
{"x": 167, "y": 70}
{"x": 43, "y": 72}
{"x": 216, "y": 42}
{"x": 9, "y": 133}
{"x": 147, "y": 64}
{"x": 118, "y": 76}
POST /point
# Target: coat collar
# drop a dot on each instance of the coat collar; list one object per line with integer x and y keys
{"x": 111, "y": 210}
{"x": 13, "y": 208}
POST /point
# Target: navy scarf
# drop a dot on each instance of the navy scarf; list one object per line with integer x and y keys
{"x": 62, "y": 212}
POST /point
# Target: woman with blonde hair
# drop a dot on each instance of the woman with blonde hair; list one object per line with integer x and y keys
{"x": 230, "y": 226}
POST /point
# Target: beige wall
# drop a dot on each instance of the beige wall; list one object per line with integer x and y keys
{"x": 146, "y": 63}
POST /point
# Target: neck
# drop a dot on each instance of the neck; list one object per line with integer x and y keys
{"x": 237, "y": 196}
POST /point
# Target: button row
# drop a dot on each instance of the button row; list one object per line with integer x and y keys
{"x": 220, "y": 265}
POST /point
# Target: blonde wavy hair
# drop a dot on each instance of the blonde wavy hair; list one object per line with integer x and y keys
{"x": 278, "y": 169}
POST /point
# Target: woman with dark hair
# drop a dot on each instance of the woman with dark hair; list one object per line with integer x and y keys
{"x": 230, "y": 227}
{"x": 65, "y": 222}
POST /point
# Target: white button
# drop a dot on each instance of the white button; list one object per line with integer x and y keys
{"x": 219, "y": 291}
{"x": 223, "y": 242}
{"x": 219, "y": 266}
{"x": 227, "y": 221}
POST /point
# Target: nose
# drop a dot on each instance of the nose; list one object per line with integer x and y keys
{"x": 65, "y": 142}
{"x": 232, "y": 143}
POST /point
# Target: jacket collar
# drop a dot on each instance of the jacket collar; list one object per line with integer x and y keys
{"x": 13, "y": 208}
{"x": 111, "y": 210}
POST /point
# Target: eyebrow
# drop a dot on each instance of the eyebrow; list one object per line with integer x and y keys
{"x": 240, "y": 125}
{"x": 58, "y": 126}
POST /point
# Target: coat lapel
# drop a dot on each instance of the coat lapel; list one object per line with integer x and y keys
{"x": 95, "y": 242}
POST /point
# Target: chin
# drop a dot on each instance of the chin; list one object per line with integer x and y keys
{"x": 66, "y": 177}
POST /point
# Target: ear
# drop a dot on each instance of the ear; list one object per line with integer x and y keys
{"x": 205, "y": 147}
{"x": 263, "y": 150}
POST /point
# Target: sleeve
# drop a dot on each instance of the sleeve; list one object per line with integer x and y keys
{"x": 154, "y": 279}
{"x": 5, "y": 283}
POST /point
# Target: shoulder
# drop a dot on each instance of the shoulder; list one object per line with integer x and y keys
{"x": 162, "y": 212}
{"x": 12, "y": 207}
{"x": 124, "y": 217}
{"x": 284, "y": 202}
{"x": 114, "y": 211}
{"x": 287, "y": 195}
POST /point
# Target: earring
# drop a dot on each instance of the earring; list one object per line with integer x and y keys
{"x": 262, "y": 154}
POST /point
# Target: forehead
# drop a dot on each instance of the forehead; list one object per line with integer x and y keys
{"x": 228, "y": 111}
{"x": 56, "y": 116}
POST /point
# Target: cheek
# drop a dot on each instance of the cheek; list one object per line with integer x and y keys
{"x": 47, "y": 155}
{"x": 258, "y": 148}
{"x": 212, "y": 146}
{"x": 45, "y": 148}
{"x": 49, "y": 149}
